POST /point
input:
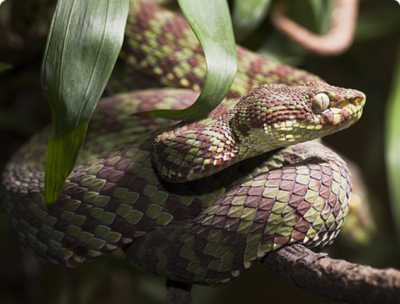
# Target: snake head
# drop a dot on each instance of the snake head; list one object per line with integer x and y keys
{"x": 335, "y": 106}
{"x": 273, "y": 116}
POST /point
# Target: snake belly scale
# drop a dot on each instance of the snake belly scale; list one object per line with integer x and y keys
{"x": 200, "y": 201}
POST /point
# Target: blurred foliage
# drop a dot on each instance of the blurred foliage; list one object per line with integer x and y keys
{"x": 393, "y": 146}
{"x": 311, "y": 14}
{"x": 247, "y": 15}
{"x": 4, "y": 66}
{"x": 368, "y": 237}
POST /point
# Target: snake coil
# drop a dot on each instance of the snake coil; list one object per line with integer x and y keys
{"x": 195, "y": 202}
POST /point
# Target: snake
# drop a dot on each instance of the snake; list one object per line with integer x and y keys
{"x": 193, "y": 201}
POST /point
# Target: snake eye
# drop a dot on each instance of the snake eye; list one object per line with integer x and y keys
{"x": 320, "y": 102}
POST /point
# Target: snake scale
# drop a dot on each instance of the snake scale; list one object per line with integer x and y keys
{"x": 200, "y": 201}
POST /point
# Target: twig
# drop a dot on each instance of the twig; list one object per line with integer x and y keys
{"x": 335, "y": 279}
{"x": 339, "y": 38}
{"x": 178, "y": 293}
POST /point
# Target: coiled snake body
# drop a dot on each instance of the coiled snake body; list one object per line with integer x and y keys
{"x": 201, "y": 201}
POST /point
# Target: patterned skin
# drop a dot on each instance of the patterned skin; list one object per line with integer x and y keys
{"x": 206, "y": 231}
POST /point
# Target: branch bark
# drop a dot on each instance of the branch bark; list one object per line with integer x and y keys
{"x": 335, "y": 279}
{"x": 178, "y": 293}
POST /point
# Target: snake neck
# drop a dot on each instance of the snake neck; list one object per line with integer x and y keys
{"x": 193, "y": 151}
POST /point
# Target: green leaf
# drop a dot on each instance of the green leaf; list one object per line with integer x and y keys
{"x": 84, "y": 42}
{"x": 392, "y": 146}
{"x": 247, "y": 15}
{"x": 320, "y": 10}
{"x": 5, "y": 66}
{"x": 378, "y": 23}
{"x": 211, "y": 22}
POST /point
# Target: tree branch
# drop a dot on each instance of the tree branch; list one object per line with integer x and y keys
{"x": 335, "y": 279}
{"x": 178, "y": 293}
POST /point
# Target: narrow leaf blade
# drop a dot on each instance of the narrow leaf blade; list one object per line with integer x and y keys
{"x": 210, "y": 21}
{"x": 392, "y": 148}
{"x": 247, "y": 15}
{"x": 83, "y": 44}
